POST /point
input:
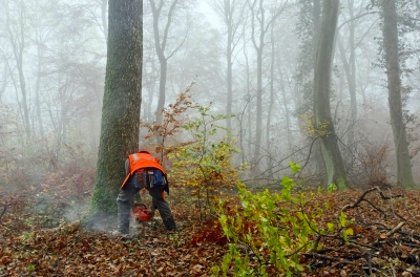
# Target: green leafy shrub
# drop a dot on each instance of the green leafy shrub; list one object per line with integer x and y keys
{"x": 268, "y": 231}
{"x": 197, "y": 152}
{"x": 204, "y": 163}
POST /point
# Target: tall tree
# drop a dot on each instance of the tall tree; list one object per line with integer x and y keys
{"x": 347, "y": 49}
{"x": 393, "y": 71}
{"x": 323, "y": 122}
{"x": 121, "y": 103}
{"x": 307, "y": 29}
{"x": 260, "y": 24}
{"x": 45, "y": 21}
{"x": 16, "y": 28}
{"x": 232, "y": 14}
{"x": 271, "y": 104}
{"x": 350, "y": 70}
{"x": 161, "y": 37}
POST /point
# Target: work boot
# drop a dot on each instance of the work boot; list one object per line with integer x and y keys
{"x": 169, "y": 224}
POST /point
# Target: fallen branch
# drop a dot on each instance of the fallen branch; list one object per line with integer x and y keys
{"x": 358, "y": 201}
{"x": 412, "y": 235}
{"x": 362, "y": 246}
{"x": 362, "y": 198}
{"x": 395, "y": 229}
{"x": 373, "y": 206}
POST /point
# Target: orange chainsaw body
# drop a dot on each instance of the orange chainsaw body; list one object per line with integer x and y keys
{"x": 141, "y": 213}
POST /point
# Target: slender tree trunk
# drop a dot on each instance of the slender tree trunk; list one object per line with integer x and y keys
{"x": 162, "y": 89}
{"x": 390, "y": 43}
{"x": 270, "y": 105}
{"x": 258, "y": 127}
{"x": 37, "y": 91}
{"x": 351, "y": 82}
{"x": 229, "y": 79}
{"x": 248, "y": 93}
{"x": 18, "y": 43}
{"x": 232, "y": 14}
{"x": 5, "y": 77}
{"x": 160, "y": 46}
{"x": 259, "y": 16}
{"x": 350, "y": 72}
{"x": 323, "y": 120}
{"x": 285, "y": 103}
{"x": 121, "y": 103}
{"x": 24, "y": 93}
{"x": 352, "y": 78}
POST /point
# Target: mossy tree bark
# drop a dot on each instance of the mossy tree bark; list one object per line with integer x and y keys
{"x": 323, "y": 122}
{"x": 390, "y": 44}
{"x": 121, "y": 103}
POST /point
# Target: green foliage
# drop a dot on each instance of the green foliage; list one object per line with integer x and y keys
{"x": 294, "y": 167}
{"x": 204, "y": 163}
{"x": 332, "y": 187}
{"x": 270, "y": 230}
{"x": 31, "y": 267}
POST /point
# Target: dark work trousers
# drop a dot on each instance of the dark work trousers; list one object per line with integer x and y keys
{"x": 125, "y": 201}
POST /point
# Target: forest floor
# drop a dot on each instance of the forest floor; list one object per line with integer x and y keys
{"x": 386, "y": 240}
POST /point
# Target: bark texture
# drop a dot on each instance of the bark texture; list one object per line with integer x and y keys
{"x": 330, "y": 151}
{"x": 392, "y": 63}
{"x": 121, "y": 103}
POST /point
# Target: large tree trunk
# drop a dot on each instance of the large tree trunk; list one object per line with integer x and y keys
{"x": 310, "y": 17}
{"x": 121, "y": 103}
{"x": 323, "y": 120}
{"x": 390, "y": 43}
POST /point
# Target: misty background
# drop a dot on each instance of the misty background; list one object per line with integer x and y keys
{"x": 52, "y": 68}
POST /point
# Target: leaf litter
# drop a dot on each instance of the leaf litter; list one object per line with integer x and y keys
{"x": 385, "y": 241}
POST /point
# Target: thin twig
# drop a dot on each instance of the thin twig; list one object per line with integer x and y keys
{"x": 362, "y": 198}
{"x": 362, "y": 245}
{"x": 395, "y": 229}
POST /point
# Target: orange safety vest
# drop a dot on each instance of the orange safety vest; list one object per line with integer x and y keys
{"x": 139, "y": 160}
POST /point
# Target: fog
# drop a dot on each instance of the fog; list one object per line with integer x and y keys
{"x": 52, "y": 75}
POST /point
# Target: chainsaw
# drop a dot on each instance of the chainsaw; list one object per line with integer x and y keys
{"x": 141, "y": 213}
